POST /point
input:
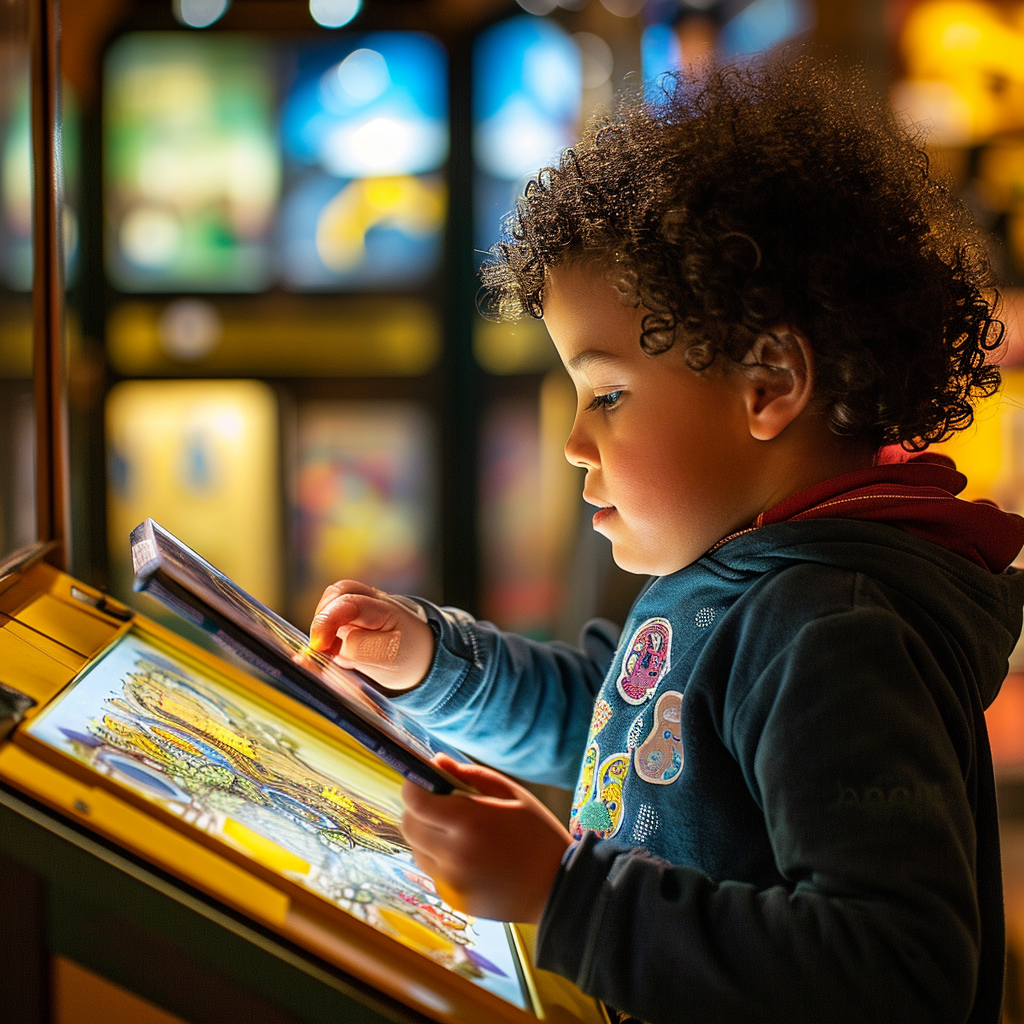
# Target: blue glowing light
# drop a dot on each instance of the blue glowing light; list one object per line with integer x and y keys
{"x": 527, "y": 77}
{"x": 377, "y": 105}
{"x": 764, "y": 24}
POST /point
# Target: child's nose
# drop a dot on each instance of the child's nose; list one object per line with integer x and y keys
{"x": 579, "y": 449}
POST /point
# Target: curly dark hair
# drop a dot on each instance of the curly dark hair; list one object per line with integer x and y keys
{"x": 777, "y": 193}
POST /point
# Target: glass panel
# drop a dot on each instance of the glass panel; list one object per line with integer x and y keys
{"x": 191, "y": 162}
{"x": 17, "y": 419}
{"x": 364, "y": 506}
{"x": 185, "y": 739}
{"x": 527, "y": 90}
{"x": 364, "y": 131}
{"x": 199, "y": 457}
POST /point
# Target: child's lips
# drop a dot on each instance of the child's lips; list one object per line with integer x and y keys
{"x": 604, "y": 510}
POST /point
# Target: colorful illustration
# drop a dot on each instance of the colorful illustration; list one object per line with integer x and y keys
{"x": 597, "y": 804}
{"x": 364, "y": 132}
{"x": 191, "y": 162}
{"x": 364, "y": 505}
{"x": 659, "y": 759}
{"x": 646, "y": 662}
{"x": 182, "y": 736}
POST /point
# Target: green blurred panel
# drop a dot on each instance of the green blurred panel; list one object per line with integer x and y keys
{"x": 275, "y": 337}
{"x": 191, "y": 162}
{"x": 17, "y": 408}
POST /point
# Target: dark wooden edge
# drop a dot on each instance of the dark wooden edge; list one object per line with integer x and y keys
{"x": 49, "y": 371}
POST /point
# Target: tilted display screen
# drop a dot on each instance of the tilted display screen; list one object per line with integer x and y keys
{"x": 178, "y": 733}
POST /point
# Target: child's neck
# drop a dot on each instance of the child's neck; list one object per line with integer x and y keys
{"x": 812, "y": 454}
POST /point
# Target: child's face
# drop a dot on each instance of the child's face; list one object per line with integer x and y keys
{"x": 669, "y": 456}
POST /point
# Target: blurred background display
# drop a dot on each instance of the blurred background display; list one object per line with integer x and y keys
{"x": 365, "y": 498}
{"x": 17, "y": 413}
{"x": 199, "y": 457}
{"x": 193, "y": 172}
{"x": 364, "y": 131}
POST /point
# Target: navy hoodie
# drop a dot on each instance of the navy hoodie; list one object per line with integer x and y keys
{"x": 786, "y": 807}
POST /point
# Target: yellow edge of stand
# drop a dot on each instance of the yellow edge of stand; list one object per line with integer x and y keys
{"x": 154, "y": 841}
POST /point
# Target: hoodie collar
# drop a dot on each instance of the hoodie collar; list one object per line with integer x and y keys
{"x": 916, "y": 493}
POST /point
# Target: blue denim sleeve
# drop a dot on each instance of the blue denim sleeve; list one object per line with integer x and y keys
{"x": 519, "y": 705}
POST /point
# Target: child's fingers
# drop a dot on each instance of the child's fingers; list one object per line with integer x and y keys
{"x": 336, "y": 590}
{"x": 365, "y": 611}
{"x": 372, "y": 647}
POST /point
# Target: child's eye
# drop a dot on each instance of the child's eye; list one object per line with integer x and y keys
{"x": 605, "y": 401}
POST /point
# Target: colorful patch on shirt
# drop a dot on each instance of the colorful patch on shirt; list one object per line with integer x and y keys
{"x": 601, "y": 717}
{"x": 659, "y": 759}
{"x": 597, "y": 803}
{"x": 646, "y": 661}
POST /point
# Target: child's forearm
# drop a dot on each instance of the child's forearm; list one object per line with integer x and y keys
{"x": 517, "y": 704}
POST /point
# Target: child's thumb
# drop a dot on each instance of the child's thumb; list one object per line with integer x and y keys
{"x": 486, "y": 781}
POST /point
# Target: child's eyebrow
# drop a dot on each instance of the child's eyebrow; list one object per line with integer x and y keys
{"x": 590, "y": 356}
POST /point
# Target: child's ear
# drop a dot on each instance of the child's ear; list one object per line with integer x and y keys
{"x": 779, "y": 371}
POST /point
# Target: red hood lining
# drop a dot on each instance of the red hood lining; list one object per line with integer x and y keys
{"x": 918, "y": 496}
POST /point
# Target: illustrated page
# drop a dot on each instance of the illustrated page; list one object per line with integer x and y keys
{"x": 181, "y": 735}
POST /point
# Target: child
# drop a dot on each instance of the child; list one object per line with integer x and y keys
{"x": 786, "y": 807}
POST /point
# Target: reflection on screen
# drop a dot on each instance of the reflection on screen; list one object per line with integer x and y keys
{"x": 182, "y": 736}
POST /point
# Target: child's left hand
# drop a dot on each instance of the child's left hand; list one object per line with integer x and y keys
{"x": 491, "y": 855}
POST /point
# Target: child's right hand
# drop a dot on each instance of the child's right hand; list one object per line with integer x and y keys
{"x": 385, "y": 637}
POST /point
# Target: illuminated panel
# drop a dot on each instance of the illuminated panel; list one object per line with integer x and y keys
{"x": 202, "y": 458}
{"x": 191, "y": 163}
{"x": 16, "y": 181}
{"x": 276, "y": 335}
{"x": 660, "y": 51}
{"x": 527, "y": 88}
{"x": 990, "y": 453}
{"x": 180, "y": 736}
{"x": 697, "y": 37}
{"x": 365, "y": 133}
{"x": 965, "y": 69}
{"x": 364, "y": 504}
{"x": 529, "y": 507}
{"x": 764, "y": 24}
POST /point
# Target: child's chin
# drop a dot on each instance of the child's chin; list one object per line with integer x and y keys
{"x": 630, "y": 561}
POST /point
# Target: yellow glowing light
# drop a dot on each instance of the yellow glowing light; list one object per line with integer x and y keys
{"x": 965, "y": 60}
{"x": 413, "y": 205}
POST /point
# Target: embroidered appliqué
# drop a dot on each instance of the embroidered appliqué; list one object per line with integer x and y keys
{"x": 647, "y": 659}
{"x": 646, "y": 824}
{"x": 704, "y": 618}
{"x": 597, "y": 803}
{"x": 635, "y": 730}
{"x": 601, "y": 717}
{"x": 659, "y": 759}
